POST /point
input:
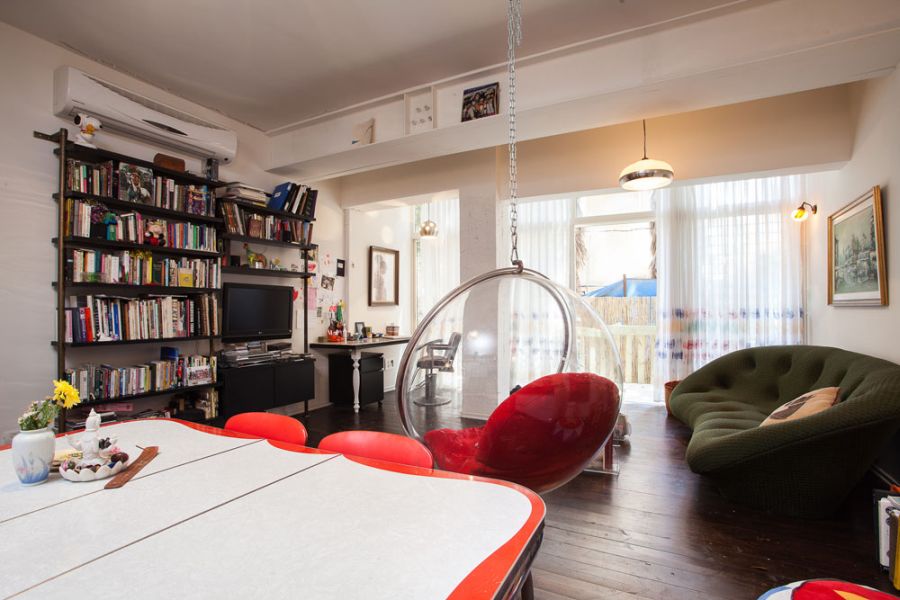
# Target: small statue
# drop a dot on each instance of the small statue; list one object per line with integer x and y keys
{"x": 87, "y": 127}
{"x": 254, "y": 257}
{"x": 275, "y": 265}
{"x": 95, "y": 450}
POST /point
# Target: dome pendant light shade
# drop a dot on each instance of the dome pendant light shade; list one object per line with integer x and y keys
{"x": 428, "y": 229}
{"x": 647, "y": 173}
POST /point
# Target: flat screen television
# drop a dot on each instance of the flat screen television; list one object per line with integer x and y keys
{"x": 256, "y": 312}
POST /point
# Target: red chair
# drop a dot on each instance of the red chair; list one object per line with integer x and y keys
{"x": 269, "y": 426}
{"x": 540, "y": 437}
{"x": 380, "y": 446}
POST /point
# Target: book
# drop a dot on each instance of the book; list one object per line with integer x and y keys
{"x": 280, "y": 195}
{"x": 309, "y": 206}
{"x": 135, "y": 183}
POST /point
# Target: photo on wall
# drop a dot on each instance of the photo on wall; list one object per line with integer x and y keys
{"x": 481, "y": 101}
{"x": 384, "y": 269}
{"x": 856, "y": 257}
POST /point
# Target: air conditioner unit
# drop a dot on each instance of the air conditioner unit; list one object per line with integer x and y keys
{"x": 133, "y": 114}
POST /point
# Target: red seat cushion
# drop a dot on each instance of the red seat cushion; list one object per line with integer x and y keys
{"x": 541, "y": 436}
{"x": 269, "y": 426}
{"x": 379, "y": 445}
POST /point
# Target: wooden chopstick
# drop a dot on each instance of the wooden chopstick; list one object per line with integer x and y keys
{"x": 147, "y": 454}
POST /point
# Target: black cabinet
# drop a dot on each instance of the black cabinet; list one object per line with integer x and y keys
{"x": 261, "y": 387}
{"x": 371, "y": 378}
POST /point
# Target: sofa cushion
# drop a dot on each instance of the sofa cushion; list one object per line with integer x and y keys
{"x": 803, "y": 406}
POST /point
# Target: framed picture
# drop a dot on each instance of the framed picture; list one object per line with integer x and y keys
{"x": 481, "y": 101}
{"x": 856, "y": 258}
{"x": 384, "y": 269}
{"x": 359, "y": 328}
{"x": 327, "y": 282}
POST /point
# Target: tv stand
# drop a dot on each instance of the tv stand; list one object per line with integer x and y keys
{"x": 257, "y": 388}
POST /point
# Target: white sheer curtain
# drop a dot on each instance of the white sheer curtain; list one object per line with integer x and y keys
{"x": 437, "y": 258}
{"x": 730, "y": 266}
{"x": 536, "y": 326}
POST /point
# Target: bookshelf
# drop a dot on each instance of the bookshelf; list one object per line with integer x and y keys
{"x": 200, "y": 211}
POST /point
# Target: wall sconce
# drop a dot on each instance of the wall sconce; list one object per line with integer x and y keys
{"x": 802, "y": 212}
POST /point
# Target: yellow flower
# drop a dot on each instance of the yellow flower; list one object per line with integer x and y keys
{"x": 64, "y": 394}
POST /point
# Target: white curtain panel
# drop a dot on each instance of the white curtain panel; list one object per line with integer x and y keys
{"x": 536, "y": 331}
{"x": 730, "y": 267}
{"x": 437, "y": 263}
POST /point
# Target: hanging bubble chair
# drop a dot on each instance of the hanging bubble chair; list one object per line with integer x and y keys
{"x": 511, "y": 376}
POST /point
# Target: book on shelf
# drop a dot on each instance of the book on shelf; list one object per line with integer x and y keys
{"x": 141, "y": 267}
{"x": 135, "y": 183}
{"x": 239, "y": 221}
{"x": 190, "y": 199}
{"x": 170, "y": 373}
{"x": 294, "y": 198}
{"x": 241, "y": 191}
{"x": 90, "y": 178}
{"x": 92, "y": 219}
{"x": 91, "y": 319}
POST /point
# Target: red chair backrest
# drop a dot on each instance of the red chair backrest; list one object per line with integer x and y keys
{"x": 551, "y": 423}
{"x": 380, "y": 446}
{"x": 269, "y": 426}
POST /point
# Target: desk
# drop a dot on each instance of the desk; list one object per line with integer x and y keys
{"x": 356, "y": 349}
{"x": 224, "y": 516}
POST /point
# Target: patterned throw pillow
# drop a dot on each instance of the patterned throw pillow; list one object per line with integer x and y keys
{"x": 808, "y": 404}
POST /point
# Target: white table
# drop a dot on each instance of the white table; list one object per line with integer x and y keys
{"x": 230, "y": 517}
{"x": 356, "y": 349}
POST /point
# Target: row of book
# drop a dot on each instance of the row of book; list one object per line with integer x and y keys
{"x": 133, "y": 183}
{"x": 92, "y": 319}
{"x": 294, "y": 198}
{"x": 105, "y": 382}
{"x": 90, "y": 178}
{"x": 265, "y": 227}
{"x": 140, "y": 267}
{"x": 90, "y": 219}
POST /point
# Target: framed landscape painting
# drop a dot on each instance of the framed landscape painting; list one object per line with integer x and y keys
{"x": 384, "y": 282}
{"x": 856, "y": 257}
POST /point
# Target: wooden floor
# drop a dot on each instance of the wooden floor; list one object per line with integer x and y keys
{"x": 658, "y": 531}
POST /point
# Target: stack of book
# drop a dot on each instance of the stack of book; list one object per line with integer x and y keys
{"x": 243, "y": 222}
{"x": 296, "y": 199}
{"x": 105, "y": 382}
{"x": 106, "y": 318}
{"x": 90, "y": 219}
{"x": 142, "y": 268}
{"x": 241, "y": 191}
{"x": 90, "y": 178}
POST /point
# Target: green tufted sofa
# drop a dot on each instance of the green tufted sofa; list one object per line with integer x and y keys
{"x": 804, "y": 467}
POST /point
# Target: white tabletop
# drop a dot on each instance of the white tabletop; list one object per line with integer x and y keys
{"x": 256, "y": 520}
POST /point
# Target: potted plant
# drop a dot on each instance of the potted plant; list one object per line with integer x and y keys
{"x": 33, "y": 447}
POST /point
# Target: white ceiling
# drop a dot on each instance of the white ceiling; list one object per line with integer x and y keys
{"x": 272, "y": 63}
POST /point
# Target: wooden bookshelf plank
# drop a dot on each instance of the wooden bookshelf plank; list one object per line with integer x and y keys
{"x": 81, "y": 242}
{"x": 252, "y": 240}
{"x": 200, "y": 338}
{"x": 175, "y": 390}
{"x": 266, "y": 272}
{"x": 117, "y": 288}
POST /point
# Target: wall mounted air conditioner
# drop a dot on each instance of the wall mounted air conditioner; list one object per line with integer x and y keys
{"x": 133, "y": 114}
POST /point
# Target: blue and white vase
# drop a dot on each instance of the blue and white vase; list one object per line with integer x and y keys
{"x": 32, "y": 453}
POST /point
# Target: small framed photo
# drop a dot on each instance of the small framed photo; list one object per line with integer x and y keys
{"x": 857, "y": 274}
{"x": 384, "y": 281}
{"x": 482, "y": 101}
{"x": 359, "y": 328}
{"x": 327, "y": 282}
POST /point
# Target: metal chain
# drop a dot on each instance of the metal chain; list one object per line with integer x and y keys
{"x": 514, "y": 38}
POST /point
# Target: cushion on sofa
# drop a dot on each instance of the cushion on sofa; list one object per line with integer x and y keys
{"x": 803, "y": 406}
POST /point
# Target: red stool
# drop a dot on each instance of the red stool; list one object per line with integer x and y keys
{"x": 269, "y": 426}
{"x": 380, "y": 446}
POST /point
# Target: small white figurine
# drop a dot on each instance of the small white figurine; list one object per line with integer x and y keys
{"x": 88, "y": 126}
{"x": 94, "y": 449}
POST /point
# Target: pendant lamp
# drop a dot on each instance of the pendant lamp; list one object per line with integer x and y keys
{"x": 647, "y": 173}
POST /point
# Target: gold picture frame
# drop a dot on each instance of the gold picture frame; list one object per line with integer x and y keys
{"x": 857, "y": 274}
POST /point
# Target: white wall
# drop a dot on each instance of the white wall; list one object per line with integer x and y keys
{"x": 28, "y": 177}
{"x": 875, "y": 161}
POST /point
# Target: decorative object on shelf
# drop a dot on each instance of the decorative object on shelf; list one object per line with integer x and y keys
{"x": 856, "y": 258}
{"x": 33, "y": 446}
{"x": 135, "y": 183}
{"x": 100, "y": 457}
{"x": 359, "y": 328}
{"x": 335, "y": 331}
{"x": 255, "y": 260}
{"x": 647, "y": 173}
{"x": 363, "y": 133}
{"x": 384, "y": 283}
{"x": 482, "y": 101}
{"x": 802, "y": 212}
{"x": 155, "y": 232}
{"x": 88, "y": 126}
{"x": 171, "y": 163}
{"x": 392, "y": 331}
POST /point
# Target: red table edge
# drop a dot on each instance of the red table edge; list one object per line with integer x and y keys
{"x": 498, "y": 575}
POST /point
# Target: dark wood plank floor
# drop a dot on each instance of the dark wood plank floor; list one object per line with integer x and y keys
{"x": 658, "y": 531}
